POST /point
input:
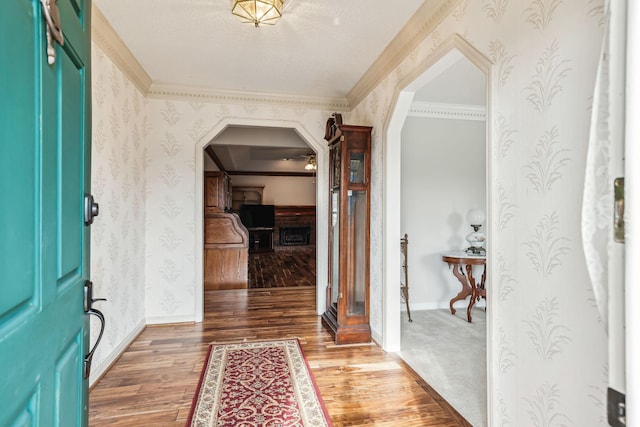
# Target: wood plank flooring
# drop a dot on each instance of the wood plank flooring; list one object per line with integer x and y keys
{"x": 154, "y": 381}
{"x": 282, "y": 268}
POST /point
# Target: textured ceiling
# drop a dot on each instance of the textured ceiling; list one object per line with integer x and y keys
{"x": 242, "y": 148}
{"x": 318, "y": 48}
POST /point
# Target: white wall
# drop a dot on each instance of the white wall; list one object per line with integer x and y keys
{"x": 281, "y": 190}
{"x": 443, "y": 176}
{"x": 118, "y": 182}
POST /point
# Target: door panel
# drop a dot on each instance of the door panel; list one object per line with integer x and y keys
{"x": 70, "y": 169}
{"x": 66, "y": 372}
{"x": 17, "y": 83}
{"x": 26, "y": 417}
{"x": 44, "y": 175}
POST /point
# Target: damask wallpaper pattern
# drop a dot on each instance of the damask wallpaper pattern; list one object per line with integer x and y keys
{"x": 549, "y": 346}
{"x": 177, "y": 129}
{"x": 118, "y": 181}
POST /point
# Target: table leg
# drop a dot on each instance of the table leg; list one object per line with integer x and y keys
{"x": 474, "y": 291}
{"x": 466, "y": 289}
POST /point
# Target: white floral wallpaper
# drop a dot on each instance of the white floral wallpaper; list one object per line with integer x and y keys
{"x": 119, "y": 112}
{"x": 549, "y": 345}
{"x": 176, "y": 128}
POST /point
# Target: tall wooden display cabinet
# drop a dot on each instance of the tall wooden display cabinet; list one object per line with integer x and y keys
{"x": 347, "y": 311}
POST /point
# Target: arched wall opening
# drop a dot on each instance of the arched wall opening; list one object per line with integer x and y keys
{"x": 449, "y": 52}
{"x": 321, "y": 202}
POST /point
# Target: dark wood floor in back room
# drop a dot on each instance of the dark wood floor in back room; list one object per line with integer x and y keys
{"x": 283, "y": 267}
{"x": 154, "y": 381}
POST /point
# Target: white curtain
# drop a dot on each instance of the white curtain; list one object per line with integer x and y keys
{"x": 597, "y": 203}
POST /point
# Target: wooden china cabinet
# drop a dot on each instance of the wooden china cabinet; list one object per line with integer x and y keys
{"x": 347, "y": 311}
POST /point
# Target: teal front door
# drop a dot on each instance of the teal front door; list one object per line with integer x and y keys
{"x": 44, "y": 175}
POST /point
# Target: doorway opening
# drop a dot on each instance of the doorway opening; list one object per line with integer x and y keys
{"x": 276, "y": 188}
{"x": 265, "y": 182}
{"x": 437, "y": 170}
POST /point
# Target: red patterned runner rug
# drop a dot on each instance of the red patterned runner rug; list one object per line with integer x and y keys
{"x": 260, "y": 383}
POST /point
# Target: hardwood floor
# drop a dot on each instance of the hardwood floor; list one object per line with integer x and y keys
{"x": 154, "y": 381}
{"x": 282, "y": 268}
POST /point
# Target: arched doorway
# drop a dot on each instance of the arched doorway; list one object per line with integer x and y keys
{"x": 321, "y": 200}
{"x": 451, "y": 51}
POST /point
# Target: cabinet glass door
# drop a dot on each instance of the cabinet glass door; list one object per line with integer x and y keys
{"x": 356, "y": 168}
{"x": 335, "y": 246}
{"x": 357, "y": 226}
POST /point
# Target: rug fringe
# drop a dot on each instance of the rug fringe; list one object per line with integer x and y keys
{"x": 254, "y": 339}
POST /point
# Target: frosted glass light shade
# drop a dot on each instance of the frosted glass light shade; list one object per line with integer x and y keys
{"x": 475, "y": 216}
{"x": 258, "y": 11}
{"x": 311, "y": 164}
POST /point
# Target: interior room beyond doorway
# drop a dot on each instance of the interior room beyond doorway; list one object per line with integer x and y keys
{"x": 272, "y": 189}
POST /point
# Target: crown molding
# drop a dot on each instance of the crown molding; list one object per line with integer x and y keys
{"x": 272, "y": 173}
{"x": 423, "y": 22}
{"x": 103, "y": 34}
{"x": 435, "y": 110}
{"x": 193, "y": 93}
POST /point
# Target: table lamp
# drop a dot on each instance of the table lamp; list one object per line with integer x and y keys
{"x": 475, "y": 218}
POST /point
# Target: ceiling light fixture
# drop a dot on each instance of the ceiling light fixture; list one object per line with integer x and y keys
{"x": 258, "y": 11}
{"x": 311, "y": 163}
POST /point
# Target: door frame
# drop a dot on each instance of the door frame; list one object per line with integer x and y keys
{"x": 322, "y": 202}
{"x": 632, "y": 207}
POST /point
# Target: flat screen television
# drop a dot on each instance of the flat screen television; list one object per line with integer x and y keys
{"x": 253, "y": 216}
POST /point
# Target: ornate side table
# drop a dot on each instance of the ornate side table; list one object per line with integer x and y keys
{"x": 462, "y": 265}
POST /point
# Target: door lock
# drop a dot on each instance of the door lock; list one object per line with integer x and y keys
{"x": 91, "y": 209}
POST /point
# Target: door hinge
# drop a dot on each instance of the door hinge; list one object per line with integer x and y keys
{"x": 616, "y": 408}
{"x": 618, "y": 210}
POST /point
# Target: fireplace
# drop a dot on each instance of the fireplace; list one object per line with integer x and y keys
{"x": 290, "y": 236}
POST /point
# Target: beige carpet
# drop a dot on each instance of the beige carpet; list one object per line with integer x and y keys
{"x": 450, "y": 354}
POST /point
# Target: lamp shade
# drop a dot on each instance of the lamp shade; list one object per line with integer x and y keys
{"x": 311, "y": 164}
{"x": 475, "y": 216}
{"x": 258, "y": 11}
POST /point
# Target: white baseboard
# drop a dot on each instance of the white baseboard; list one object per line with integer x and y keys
{"x": 441, "y": 305}
{"x": 376, "y": 338}
{"x": 98, "y": 371}
{"x": 170, "y": 319}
